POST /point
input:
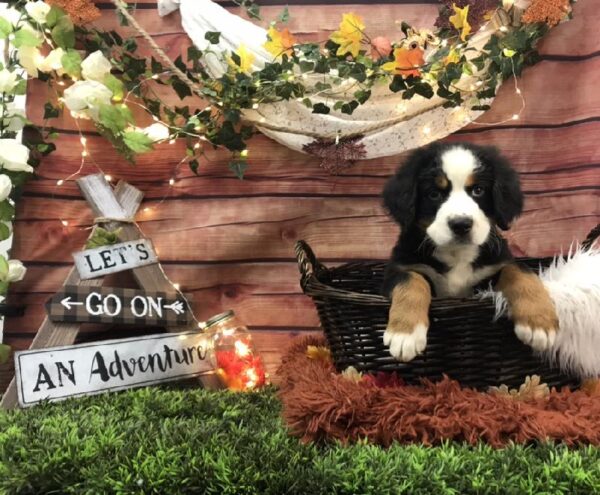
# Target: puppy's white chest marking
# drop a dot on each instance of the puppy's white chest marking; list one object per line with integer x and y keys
{"x": 460, "y": 279}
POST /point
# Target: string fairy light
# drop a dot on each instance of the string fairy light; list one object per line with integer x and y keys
{"x": 519, "y": 93}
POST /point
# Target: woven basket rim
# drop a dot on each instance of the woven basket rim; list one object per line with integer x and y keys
{"x": 310, "y": 268}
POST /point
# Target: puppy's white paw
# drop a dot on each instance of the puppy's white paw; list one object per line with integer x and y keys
{"x": 538, "y": 338}
{"x": 405, "y": 346}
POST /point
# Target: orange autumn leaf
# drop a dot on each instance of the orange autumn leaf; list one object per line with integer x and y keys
{"x": 591, "y": 386}
{"x": 279, "y": 42}
{"x": 350, "y": 35}
{"x": 407, "y": 62}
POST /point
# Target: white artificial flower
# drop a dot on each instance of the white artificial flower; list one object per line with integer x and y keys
{"x": 14, "y": 119}
{"x": 157, "y": 131}
{"x": 85, "y": 97}
{"x": 5, "y": 187}
{"x": 53, "y": 61}
{"x": 37, "y": 11}
{"x": 8, "y": 81}
{"x": 30, "y": 58}
{"x": 14, "y": 156}
{"x": 16, "y": 271}
{"x": 95, "y": 67}
{"x": 12, "y": 15}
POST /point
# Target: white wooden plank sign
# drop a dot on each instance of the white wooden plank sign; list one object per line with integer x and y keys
{"x": 57, "y": 373}
{"x": 97, "y": 262}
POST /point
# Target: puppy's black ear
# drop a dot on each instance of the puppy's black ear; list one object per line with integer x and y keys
{"x": 507, "y": 195}
{"x": 400, "y": 192}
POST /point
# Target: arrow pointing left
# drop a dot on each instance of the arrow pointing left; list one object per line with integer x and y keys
{"x": 67, "y": 303}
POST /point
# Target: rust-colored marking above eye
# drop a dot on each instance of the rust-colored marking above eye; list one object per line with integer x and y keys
{"x": 470, "y": 182}
{"x": 441, "y": 181}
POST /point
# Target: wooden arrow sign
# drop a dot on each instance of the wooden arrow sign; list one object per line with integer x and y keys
{"x": 93, "y": 263}
{"x": 81, "y": 304}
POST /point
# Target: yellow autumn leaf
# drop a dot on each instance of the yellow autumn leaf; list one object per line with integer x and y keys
{"x": 246, "y": 59}
{"x": 508, "y": 53}
{"x": 349, "y": 35}
{"x": 279, "y": 42}
{"x": 460, "y": 22}
{"x": 318, "y": 353}
{"x": 452, "y": 57}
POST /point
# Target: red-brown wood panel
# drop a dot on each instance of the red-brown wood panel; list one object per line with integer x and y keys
{"x": 229, "y": 243}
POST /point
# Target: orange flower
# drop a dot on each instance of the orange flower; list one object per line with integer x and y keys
{"x": 406, "y": 62}
{"x": 549, "y": 11}
{"x": 380, "y": 47}
{"x": 80, "y": 11}
{"x": 280, "y": 42}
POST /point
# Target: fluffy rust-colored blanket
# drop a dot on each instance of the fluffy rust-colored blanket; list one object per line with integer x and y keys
{"x": 321, "y": 404}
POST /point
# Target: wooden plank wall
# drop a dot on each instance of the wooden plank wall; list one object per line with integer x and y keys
{"x": 229, "y": 243}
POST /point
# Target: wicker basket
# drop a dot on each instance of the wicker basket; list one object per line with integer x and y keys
{"x": 463, "y": 340}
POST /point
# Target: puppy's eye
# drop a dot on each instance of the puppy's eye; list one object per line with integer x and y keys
{"x": 435, "y": 195}
{"x": 477, "y": 191}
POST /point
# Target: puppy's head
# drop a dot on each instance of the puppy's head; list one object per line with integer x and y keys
{"x": 455, "y": 193}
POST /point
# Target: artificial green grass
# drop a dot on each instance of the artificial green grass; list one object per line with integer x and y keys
{"x": 195, "y": 441}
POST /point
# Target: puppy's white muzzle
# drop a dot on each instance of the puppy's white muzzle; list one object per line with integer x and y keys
{"x": 459, "y": 220}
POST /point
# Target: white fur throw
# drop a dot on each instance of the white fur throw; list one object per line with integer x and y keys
{"x": 574, "y": 285}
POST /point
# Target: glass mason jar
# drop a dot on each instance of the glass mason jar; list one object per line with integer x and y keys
{"x": 238, "y": 365}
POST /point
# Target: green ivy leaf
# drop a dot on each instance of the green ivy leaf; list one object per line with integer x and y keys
{"x": 349, "y": 107}
{"x": 362, "y": 95}
{"x": 321, "y": 108}
{"x": 4, "y": 234}
{"x": 7, "y": 211}
{"x": 193, "y": 54}
{"x": 24, "y": 37}
{"x": 103, "y": 237}
{"x": 397, "y": 84}
{"x": 238, "y": 167}
{"x": 236, "y": 59}
{"x": 306, "y": 65}
{"x": 424, "y": 89}
{"x": 253, "y": 11}
{"x": 63, "y": 33}
{"x": 285, "y": 15}
{"x": 213, "y": 37}
{"x": 4, "y": 353}
{"x": 54, "y": 15}
{"x": 5, "y": 28}
{"x": 71, "y": 62}
{"x": 194, "y": 166}
{"x": 21, "y": 87}
{"x": 137, "y": 141}
{"x": 321, "y": 86}
{"x": 181, "y": 88}
{"x": 116, "y": 86}
{"x": 115, "y": 118}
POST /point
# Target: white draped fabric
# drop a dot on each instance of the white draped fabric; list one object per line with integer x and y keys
{"x": 388, "y": 124}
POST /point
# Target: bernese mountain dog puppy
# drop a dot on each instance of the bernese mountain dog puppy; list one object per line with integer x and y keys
{"x": 450, "y": 201}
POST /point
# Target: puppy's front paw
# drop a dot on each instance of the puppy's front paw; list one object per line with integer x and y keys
{"x": 539, "y": 338}
{"x": 405, "y": 344}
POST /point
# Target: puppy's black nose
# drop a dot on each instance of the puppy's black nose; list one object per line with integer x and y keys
{"x": 460, "y": 225}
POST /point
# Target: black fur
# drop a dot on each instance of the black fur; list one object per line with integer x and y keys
{"x": 408, "y": 198}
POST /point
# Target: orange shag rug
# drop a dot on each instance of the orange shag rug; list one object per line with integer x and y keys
{"x": 321, "y": 404}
